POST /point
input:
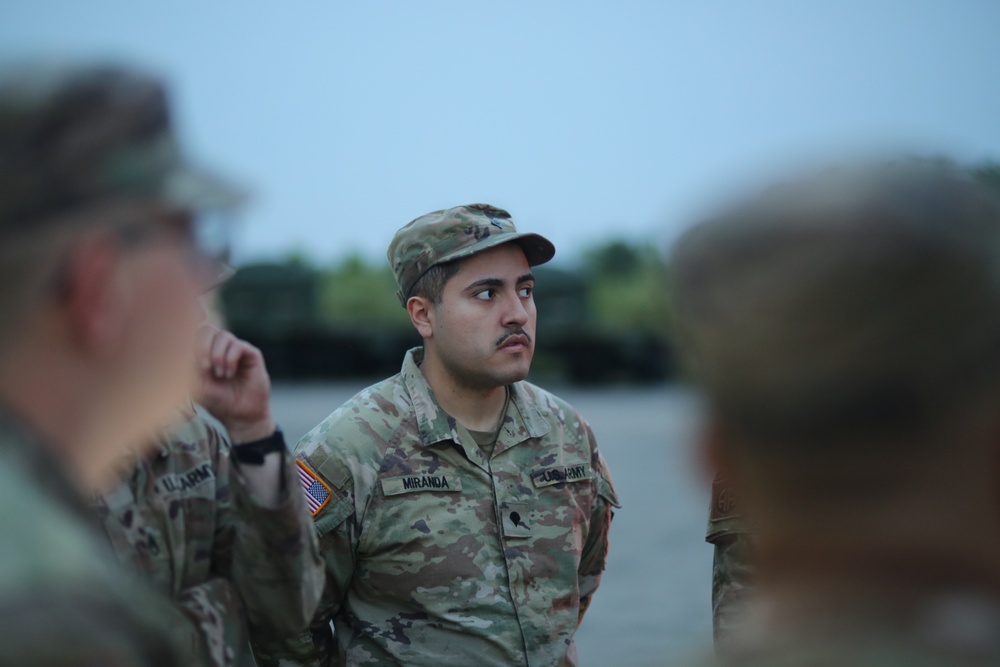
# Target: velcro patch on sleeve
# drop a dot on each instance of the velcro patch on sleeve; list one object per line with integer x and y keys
{"x": 724, "y": 505}
{"x": 392, "y": 486}
{"x": 317, "y": 491}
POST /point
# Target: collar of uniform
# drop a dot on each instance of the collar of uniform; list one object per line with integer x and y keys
{"x": 522, "y": 420}
{"x": 184, "y": 415}
{"x": 433, "y": 422}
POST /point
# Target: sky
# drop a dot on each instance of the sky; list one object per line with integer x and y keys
{"x": 589, "y": 121}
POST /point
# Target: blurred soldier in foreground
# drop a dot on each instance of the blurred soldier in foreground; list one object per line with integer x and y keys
{"x": 100, "y": 273}
{"x": 463, "y": 513}
{"x": 846, "y": 332}
{"x": 221, "y": 529}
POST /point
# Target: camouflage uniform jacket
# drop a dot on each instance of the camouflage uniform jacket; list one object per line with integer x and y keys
{"x": 732, "y": 569}
{"x": 63, "y": 601}
{"x": 439, "y": 555}
{"x": 184, "y": 519}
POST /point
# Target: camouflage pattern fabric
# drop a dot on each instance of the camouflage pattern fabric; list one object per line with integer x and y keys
{"x": 72, "y": 136}
{"x": 732, "y": 569}
{"x": 438, "y": 555}
{"x": 183, "y": 518}
{"x": 63, "y": 601}
{"x": 450, "y": 234}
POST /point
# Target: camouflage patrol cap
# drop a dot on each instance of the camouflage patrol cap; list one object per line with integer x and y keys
{"x": 73, "y": 136}
{"x": 454, "y": 233}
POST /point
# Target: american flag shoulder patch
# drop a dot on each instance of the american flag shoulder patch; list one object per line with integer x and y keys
{"x": 317, "y": 492}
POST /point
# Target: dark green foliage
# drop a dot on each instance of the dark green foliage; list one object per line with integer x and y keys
{"x": 626, "y": 288}
{"x": 356, "y": 293}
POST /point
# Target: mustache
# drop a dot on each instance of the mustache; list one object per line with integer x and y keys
{"x": 512, "y": 332}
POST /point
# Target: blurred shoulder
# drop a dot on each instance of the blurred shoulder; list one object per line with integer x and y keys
{"x": 40, "y": 528}
{"x": 59, "y": 579}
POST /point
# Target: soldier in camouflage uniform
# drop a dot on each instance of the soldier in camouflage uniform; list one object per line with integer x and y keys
{"x": 845, "y": 329}
{"x": 463, "y": 512}
{"x": 101, "y": 273}
{"x": 216, "y": 527}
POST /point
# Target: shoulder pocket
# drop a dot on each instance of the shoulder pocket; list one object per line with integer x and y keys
{"x": 724, "y": 505}
{"x": 606, "y": 490}
{"x": 605, "y": 486}
{"x": 328, "y": 506}
{"x": 334, "y": 514}
{"x": 725, "y": 515}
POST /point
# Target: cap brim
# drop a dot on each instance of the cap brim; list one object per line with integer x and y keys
{"x": 537, "y": 248}
{"x": 199, "y": 190}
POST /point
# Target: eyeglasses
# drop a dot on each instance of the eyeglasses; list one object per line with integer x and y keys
{"x": 203, "y": 238}
{"x": 205, "y": 235}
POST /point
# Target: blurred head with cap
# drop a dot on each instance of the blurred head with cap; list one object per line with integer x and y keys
{"x": 845, "y": 330}
{"x": 105, "y": 246}
{"x": 464, "y": 277}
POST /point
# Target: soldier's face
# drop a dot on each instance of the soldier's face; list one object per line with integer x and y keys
{"x": 484, "y": 327}
{"x": 160, "y": 283}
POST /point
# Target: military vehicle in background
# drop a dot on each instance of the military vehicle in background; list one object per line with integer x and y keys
{"x": 277, "y": 308}
{"x": 286, "y": 310}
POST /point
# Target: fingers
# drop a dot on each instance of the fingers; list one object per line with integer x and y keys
{"x": 235, "y": 384}
{"x": 203, "y": 347}
{"x": 223, "y": 355}
{"x": 220, "y": 355}
{"x": 235, "y": 354}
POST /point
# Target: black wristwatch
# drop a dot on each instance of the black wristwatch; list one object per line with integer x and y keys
{"x": 253, "y": 452}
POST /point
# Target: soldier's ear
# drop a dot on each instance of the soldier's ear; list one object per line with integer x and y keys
{"x": 91, "y": 294}
{"x": 421, "y": 311}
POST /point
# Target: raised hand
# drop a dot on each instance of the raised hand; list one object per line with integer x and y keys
{"x": 235, "y": 385}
